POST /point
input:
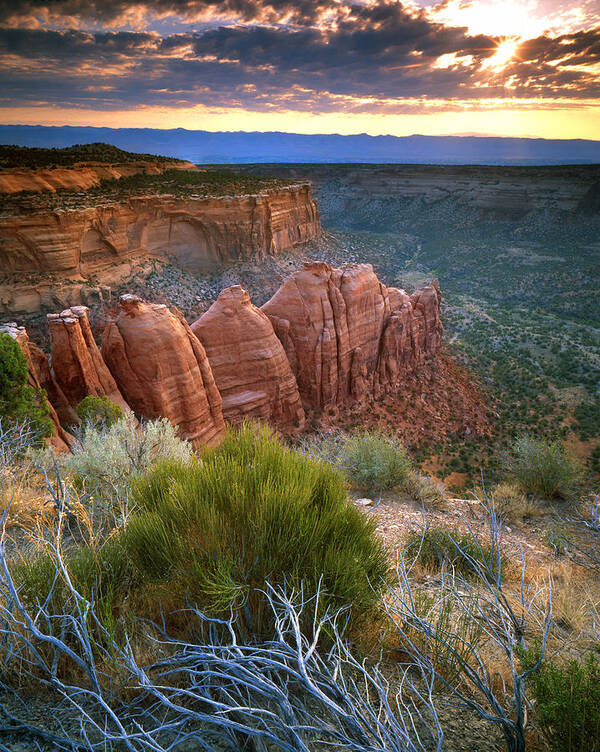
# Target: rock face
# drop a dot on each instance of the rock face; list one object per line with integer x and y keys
{"x": 412, "y": 331}
{"x": 249, "y": 364}
{"x": 346, "y": 335}
{"x": 326, "y": 338}
{"x": 39, "y": 377}
{"x": 76, "y": 360}
{"x": 198, "y": 233}
{"x": 79, "y": 178}
{"x": 162, "y": 370}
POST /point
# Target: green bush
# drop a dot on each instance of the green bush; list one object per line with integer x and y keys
{"x": 215, "y": 530}
{"x": 374, "y": 462}
{"x": 595, "y": 459}
{"x": 568, "y": 704}
{"x": 19, "y": 402}
{"x": 94, "y": 410}
{"x": 434, "y": 547}
{"x": 252, "y": 512}
{"x": 543, "y": 468}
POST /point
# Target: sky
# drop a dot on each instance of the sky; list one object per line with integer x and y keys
{"x": 495, "y": 67}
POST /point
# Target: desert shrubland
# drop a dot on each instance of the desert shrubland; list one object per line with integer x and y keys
{"x": 244, "y": 578}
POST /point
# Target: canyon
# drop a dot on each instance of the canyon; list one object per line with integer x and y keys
{"x": 50, "y": 257}
{"x": 440, "y": 198}
{"x": 328, "y": 338}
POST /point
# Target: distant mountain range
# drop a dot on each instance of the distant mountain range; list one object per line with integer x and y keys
{"x": 240, "y": 147}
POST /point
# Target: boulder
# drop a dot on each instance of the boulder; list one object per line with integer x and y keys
{"x": 248, "y": 362}
{"x": 162, "y": 370}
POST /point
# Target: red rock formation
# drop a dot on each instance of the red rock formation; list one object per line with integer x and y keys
{"x": 330, "y": 321}
{"x": 199, "y": 233}
{"x": 76, "y": 360}
{"x": 162, "y": 369}
{"x": 412, "y": 331}
{"x": 38, "y": 371}
{"x": 249, "y": 364}
{"x": 346, "y": 335}
{"x": 80, "y": 178}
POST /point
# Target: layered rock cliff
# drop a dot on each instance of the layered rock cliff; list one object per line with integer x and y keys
{"x": 162, "y": 370}
{"x": 199, "y": 233}
{"x": 76, "y": 360}
{"x": 346, "y": 335}
{"x": 82, "y": 177}
{"x": 249, "y": 364}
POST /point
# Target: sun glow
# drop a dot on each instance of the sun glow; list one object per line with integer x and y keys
{"x": 505, "y": 52}
{"x": 499, "y": 17}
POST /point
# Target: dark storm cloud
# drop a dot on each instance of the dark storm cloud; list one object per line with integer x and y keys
{"x": 379, "y": 52}
{"x": 109, "y": 11}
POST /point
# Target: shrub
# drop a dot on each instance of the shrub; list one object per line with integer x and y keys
{"x": 568, "y": 704}
{"x": 424, "y": 489}
{"x": 434, "y": 547}
{"x": 595, "y": 459}
{"x": 106, "y": 456}
{"x": 216, "y": 530}
{"x": 543, "y": 468}
{"x": 559, "y": 538}
{"x": 374, "y": 462}
{"x": 98, "y": 410}
{"x": 19, "y": 402}
{"x": 512, "y": 505}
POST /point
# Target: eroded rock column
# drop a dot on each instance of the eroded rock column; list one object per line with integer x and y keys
{"x": 77, "y": 362}
{"x": 248, "y": 362}
{"x": 162, "y": 370}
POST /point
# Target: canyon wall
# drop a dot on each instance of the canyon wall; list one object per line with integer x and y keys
{"x": 200, "y": 234}
{"x": 442, "y": 197}
{"x": 79, "y": 178}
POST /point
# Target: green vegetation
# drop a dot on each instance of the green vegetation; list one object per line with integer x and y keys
{"x": 435, "y": 547}
{"x": 20, "y": 402}
{"x": 12, "y": 156}
{"x": 106, "y": 456}
{"x": 568, "y": 704}
{"x": 94, "y": 410}
{"x": 374, "y": 462}
{"x": 216, "y": 530}
{"x": 543, "y": 468}
{"x": 172, "y": 182}
{"x": 587, "y": 419}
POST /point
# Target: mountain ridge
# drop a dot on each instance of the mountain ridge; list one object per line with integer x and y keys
{"x": 227, "y": 147}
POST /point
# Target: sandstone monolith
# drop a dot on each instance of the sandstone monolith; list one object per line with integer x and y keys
{"x": 248, "y": 361}
{"x": 162, "y": 370}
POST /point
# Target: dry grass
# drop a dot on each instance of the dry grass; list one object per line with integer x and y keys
{"x": 23, "y": 497}
{"x": 424, "y": 489}
{"x": 512, "y": 505}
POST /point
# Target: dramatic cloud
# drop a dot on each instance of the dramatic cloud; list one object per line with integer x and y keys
{"x": 271, "y": 55}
